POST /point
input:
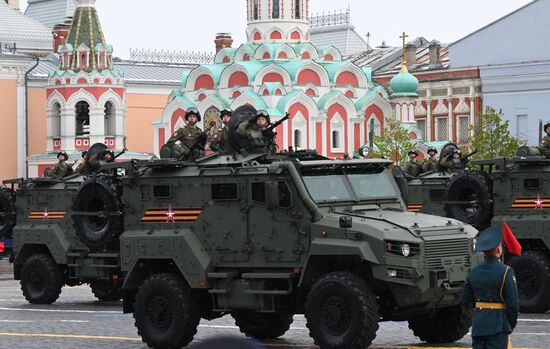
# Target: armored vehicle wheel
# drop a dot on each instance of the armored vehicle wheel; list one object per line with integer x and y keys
{"x": 41, "y": 279}
{"x": 7, "y": 212}
{"x": 532, "y": 271}
{"x": 166, "y": 313}
{"x": 263, "y": 326}
{"x": 106, "y": 291}
{"x": 445, "y": 325}
{"x": 469, "y": 199}
{"x": 101, "y": 222}
{"x": 341, "y": 312}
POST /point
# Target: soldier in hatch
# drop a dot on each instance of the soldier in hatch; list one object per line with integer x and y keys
{"x": 414, "y": 166}
{"x": 254, "y": 129}
{"x": 453, "y": 162}
{"x": 81, "y": 169}
{"x": 61, "y": 169}
{"x": 544, "y": 146}
{"x": 492, "y": 292}
{"x": 220, "y": 143}
{"x": 431, "y": 164}
{"x": 192, "y": 138}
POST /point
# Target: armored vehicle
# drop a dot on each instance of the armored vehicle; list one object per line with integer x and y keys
{"x": 512, "y": 191}
{"x": 7, "y": 221}
{"x": 261, "y": 237}
{"x": 48, "y": 250}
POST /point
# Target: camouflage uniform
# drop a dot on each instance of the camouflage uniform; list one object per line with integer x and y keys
{"x": 430, "y": 165}
{"x": 221, "y": 143}
{"x": 452, "y": 164}
{"x": 544, "y": 146}
{"x": 261, "y": 144}
{"x": 188, "y": 135}
{"x": 413, "y": 168}
{"x": 61, "y": 170}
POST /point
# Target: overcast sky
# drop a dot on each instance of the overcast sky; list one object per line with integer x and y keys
{"x": 192, "y": 24}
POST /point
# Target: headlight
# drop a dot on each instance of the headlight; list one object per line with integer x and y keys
{"x": 474, "y": 243}
{"x": 405, "y": 250}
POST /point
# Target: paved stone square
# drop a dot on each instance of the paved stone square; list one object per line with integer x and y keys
{"x": 78, "y": 320}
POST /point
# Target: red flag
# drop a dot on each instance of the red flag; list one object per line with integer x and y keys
{"x": 1, "y": 247}
{"x": 512, "y": 244}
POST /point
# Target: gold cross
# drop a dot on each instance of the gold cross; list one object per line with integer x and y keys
{"x": 404, "y": 36}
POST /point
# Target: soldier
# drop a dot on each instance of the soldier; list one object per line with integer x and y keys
{"x": 62, "y": 169}
{"x": 453, "y": 162}
{"x": 192, "y": 138}
{"x": 413, "y": 167}
{"x": 81, "y": 168}
{"x": 544, "y": 146}
{"x": 220, "y": 143}
{"x": 254, "y": 129}
{"x": 364, "y": 152}
{"x": 430, "y": 165}
{"x": 492, "y": 291}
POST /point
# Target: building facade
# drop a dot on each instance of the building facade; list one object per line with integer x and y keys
{"x": 513, "y": 55}
{"x": 330, "y": 100}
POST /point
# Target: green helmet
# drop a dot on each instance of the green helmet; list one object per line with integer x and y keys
{"x": 63, "y": 153}
{"x": 192, "y": 112}
{"x": 262, "y": 114}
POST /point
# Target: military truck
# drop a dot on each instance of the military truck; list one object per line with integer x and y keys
{"x": 513, "y": 191}
{"x": 7, "y": 221}
{"x": 48, "y": 252}
{"x": 261, "y": 237}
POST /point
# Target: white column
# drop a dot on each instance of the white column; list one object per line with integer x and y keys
{"x": 286, "y": 126}
{"x": 22, "y": 142}
{"x": 324, "y": 138}
{"x": 68, "y": 127}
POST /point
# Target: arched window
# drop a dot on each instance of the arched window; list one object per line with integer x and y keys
{"x": 56, "y": 120}
{"x": 82, "y": 112}
{"x": 297, "y": 139}
{"x": 110, "y": 121}
{"x": 335, "y": 139}
{"x": 337, "y": 134}
{"x": 297, "y": 10}
{"x": 276, "y": 9}
{"x": 255, "y": 10}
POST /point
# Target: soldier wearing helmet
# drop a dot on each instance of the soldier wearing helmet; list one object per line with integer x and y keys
{"x": 430, "y": 165}
{"x": 61, "y": 169}
{"x": 191, "y": 137}
{"x": 220, "y": 143}
{"x": 254, "y": 129}
{"x": 453, "y": 162}
{"x": 414, "y": 166}
{"x": 544, "y": 146}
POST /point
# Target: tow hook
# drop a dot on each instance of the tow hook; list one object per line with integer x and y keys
{"x": 446, "y": 286}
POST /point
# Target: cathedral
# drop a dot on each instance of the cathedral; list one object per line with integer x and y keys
{"x": 332, "y": 102}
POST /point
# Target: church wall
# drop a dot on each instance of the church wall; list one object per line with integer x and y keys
{"x": 37, "y": 120}
{"x": 8, "y": 131}
{"x": 142, "y": 110}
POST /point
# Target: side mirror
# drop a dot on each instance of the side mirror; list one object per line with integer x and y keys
{"x": 346, "y": 222}
{"x": 272, "y": 195}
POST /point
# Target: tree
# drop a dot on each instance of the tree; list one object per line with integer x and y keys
{"x": 492, "y": 137}
{"x": 394, "y": 143}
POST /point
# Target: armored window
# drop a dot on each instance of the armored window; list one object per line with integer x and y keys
{"x": 255, "y": 9}
{"x": 531, "y": 183}
{"x": 225, "y": 191}
{"x": 298, "y": 10}
{"x": 276, "y": 9}
{"x": 258, "y": 193}
{"x": 161, "y": 191}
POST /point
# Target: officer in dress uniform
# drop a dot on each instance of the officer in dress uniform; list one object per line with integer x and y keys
{"x": 192, "y": 138}
{"x": 492, "y": 291}
{"x": 61, "y": 169}
{"x": 413, "y": 167}
{"x": 430, "y": 165}
{"x": 220, "y": 143}
{"x": 544, "y": 146}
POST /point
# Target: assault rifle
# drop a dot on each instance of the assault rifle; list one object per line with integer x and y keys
{"x": 201, "y": 140}
{"x": 120, "y": 154}
{"x": 269, "y": 132}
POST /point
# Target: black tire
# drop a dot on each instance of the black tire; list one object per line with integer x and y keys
{"x": 532, "y": 270}
{"x": 263, "y": 326}
{"x": 106, "y": 291}
{"x": 97, "y": 194}
{"x": 41, "y": 279}
{"x": 469, "y": 199}
{"x": 7, "y": 213}
{"x": 341, "y": 312}
{"x": 166, "y": 313}
{"x": 445, "y": 325}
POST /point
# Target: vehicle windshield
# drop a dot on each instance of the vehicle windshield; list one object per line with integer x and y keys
{"x": 351, "y": 187}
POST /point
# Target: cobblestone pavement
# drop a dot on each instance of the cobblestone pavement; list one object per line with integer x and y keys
{"x": 77, "y": 320}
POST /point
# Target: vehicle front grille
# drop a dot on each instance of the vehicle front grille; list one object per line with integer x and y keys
{"x": 444, "y": 254}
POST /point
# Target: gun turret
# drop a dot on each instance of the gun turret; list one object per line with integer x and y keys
{"x": 269, "y": 132}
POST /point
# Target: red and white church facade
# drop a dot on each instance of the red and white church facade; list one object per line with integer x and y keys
{"x": 331, "y": 101}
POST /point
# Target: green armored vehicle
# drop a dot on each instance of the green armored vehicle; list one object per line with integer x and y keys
{"x": 263, "y": 237}
{"x": 512, "y": 191}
